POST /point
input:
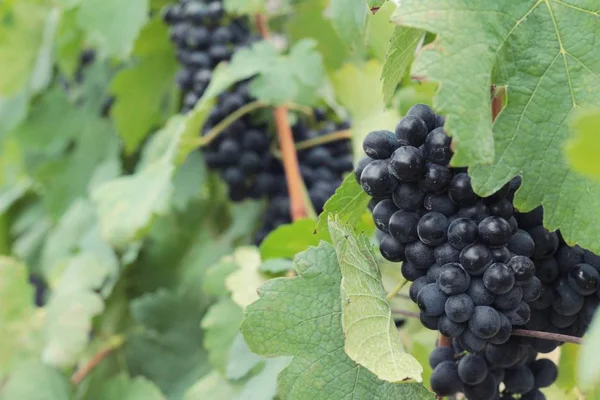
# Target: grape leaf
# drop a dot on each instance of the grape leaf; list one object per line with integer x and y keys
{"x": 348, "y": 204}
{"x": 214, "y": 279}
{"x": 263, "y": 386}
{"x": 244, "y": 282}
{"x": 275, "y": 266}
{"x": 289, "y": 239}
{"x": 112, "y": 25}
{"x": 375, "y": 4}
{"x": 69, "y": 41}
{"x": 349, "y": 18}
{"x": 289, "y": 320}
{"x": 588, "y": 371}
{"x": 398, "y": 59}
{"x": 169, "y": 352}
{"x": 248, "y": 7}
{"x": 14, "y": 181}
{"x": 567, "y": 365}
{"x": 372, "y": 338}
{"x": 241, "y": 359}
{"x": 141, "y": 89}
{"x": 380, "y": 30}
{"x": 221, "y": 324}
{"x": 212, "y": 386}
{"x": 21, "y": 37}
{"x": 124, "y": 388}
{"x": 49, "y": 383}
{"x": 19, "y": 322}
{"x": 582, "y": 148}
{"x": 359, "y": 90}
{"x": 531, "y": 130}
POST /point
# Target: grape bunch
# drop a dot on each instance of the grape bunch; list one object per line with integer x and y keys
{"x": 204, "y": 36}
{"x": 515, "y": 364}
{"x": 455, "y": 246}
{"x": 322, "y": 168}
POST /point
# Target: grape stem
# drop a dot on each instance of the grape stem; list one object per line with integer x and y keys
{"x": 205, "y": 140}
{"x": 79, "y": 375}
{"x": 317, "y": 141}
{"x": 397, "y": 289}
{"x": 406, "y": 313}
{"x": 298, "y": 209}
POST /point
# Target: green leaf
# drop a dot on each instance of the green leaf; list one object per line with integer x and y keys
{"x": 241, "y": 359}
{"x": 113, "y": 26}
{"x": 582, "y": 148}
{"x": 142, "y": 89}
{"x": 214, "y": 279}
{"x": 221, "y": 324}
{"x": 276, "y": 266}
{"x": 69, "y": 42}
{"x": 375, "y": 3}
{"x": 399, "y": 57}
{"x": 212, "y": 386}
{"x": 289, "y": 320}
{"x": 531, "y": 131}
{"x": 244, "y": 282}
{"x": 380, "y": 30}
{"x": 349, "y": 18}
{"x": 289, "y": 239}
{"x": 21, "y": 37}
{"x": 19, "y": 322}
{"x": 588, "y": 370}
{"x": 359, "y": 90}
{"x": 567, "y": 365}
{"x": 372, "y": 338}
{"x": 48, "y": 383}
{"x": 247, "y": 7}
{"x": 348, "y": 204}
{"x": 169, "y": 352}
{"x": 124, "y": 388}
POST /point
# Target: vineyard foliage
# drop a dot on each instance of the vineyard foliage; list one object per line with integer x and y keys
{"x": 126, "y": 272}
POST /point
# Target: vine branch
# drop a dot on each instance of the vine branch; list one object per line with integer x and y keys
{"x": 293, "y": 177}
{"x": 317, "y": 141}
{"x": 397, "y": 289}
{"x": 88, "y": 367}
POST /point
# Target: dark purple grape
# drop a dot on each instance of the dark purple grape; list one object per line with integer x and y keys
{"x": 476, "y": 211}
{"x": 544, "y": 372}
{"x": 470, "y": 342}
{"x": 411, "y": 131}
{"x": 440, "y": 354}
{"x": 502, "y": 255}
{"x": 391, "y": 249}
{"x": 431, "y": 300}
{"x": 521, "y": 244}
{"x": 416, "y": 287}
{"x": 519, "y": 380}
{"x": 530, "y": 219}
{"x": 376, "y": 180}
{"x": 584, "y": 279}
{"x": 462, "y": 232}
{"x": 445, "y": 380}
{"x": 432, "y": 228}
{"x": 453, "y": 279}
{"x": 504, "y": 332}
{"x": 532, "y": 290}
{"x": 509, "y": 300}
{"x": 485, "y": 322}
{"x": 519, "y": 315}
{"x": 436, "y": 178}
{"x": 566, "y": 300}
{"x": 546, "y": 270}
{"x": 425, "y": 113}
{"x": 568, "y": 257}
{"x": 523, "y": 269}
{"x": 480, "y": 295}
{"x": 408, "y": 196}
{"x": 440, "y": 203}
{"x": 499, "y": 278}
{"x": 461, "y": 191}
{"x": 360, "y": 166}
{"x": 476, "y": 258}
{"x": 380, "y": 145}
{"x": 494, "y": 231}
{"x": 437, "y": 147}
{"x": 407, "y": 164}
{"x": 382, "y": 213}
{"x": 459, "y": 308}
{"x": 445, "y": 253}
{"x": 546, "y": 243}
{"x": 449, "y": 328}
{"x": 472, "y": 369}
{"x": 419, "y": 254}
{"x": 502, "y": 208}
{"x": 411, "y": 272}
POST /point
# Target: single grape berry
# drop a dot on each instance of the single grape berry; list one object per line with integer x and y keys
{"x": 459, "y": 308}
{"x": 411, "y": 131}
{"x": 391, "y": 249}
{"x": 440, "y": 203}
{"x": 523, "y": 269}
{"x": 380, "y": 145}
{"x": 439, "y": 355}
{"x": 546, "y": 243}
{"x": 461, "y": 191}
{"x": 584, "y": 279}
{"x": 411, "y": 272}
{"x": 431, "y": 300}
{"x": 382, "y": 213}
{"x": 502, "y": 208}
{"x": 519, "y": 380}
{"x": 419, "y": 254}
{"x": 509, "y": 300}
{"x": 477, "y": 211}
{"x": 360, "y": 166}
{"x": 462, "y": 232}
{"x": 471, "y": 342}
{"x": 437, "y": 147}
{"x": 504, "y": 332}
{"x": 408, "y": 196}
{"x": 416, "y": 287}
{"x": 566, "y": 300}
{"x": 519, "y": 315}
{"x": 485, "y": 322}
{"x": 494, "y": 231}
{"x": 547, "y": 270}
{"x": 568, "y": 257}
{"x": 476, "y": 258}
{"x": 532, "y": 290}
{"x": 407, "y": 164}
{"x": 486, "y": 390}
{"x": 472, "y": 369}
{"x": 502, "y": 255}
{"x": 376, "y": 180}
{"x": 521, "y": 244}
{"x": 453, "y": 279}
{"x": 479, "y": 293}
{"x": 445, "y": 253}
{"x": 499, "y": 278}
{"x": 449, "y": 328}
{"x": 425, "y": 113}
{"x": 445, "y": 380}
{"x": 436, "y": 178}
{"x": 432, "y": 228}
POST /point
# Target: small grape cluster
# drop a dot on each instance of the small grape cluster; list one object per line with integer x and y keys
{"x": 570, "y": 278}
{"x": 322, "y": 168}
{"x": 455, "y": 246}
{"x": 515, "y": 364}
{"x": 204, "y": 36}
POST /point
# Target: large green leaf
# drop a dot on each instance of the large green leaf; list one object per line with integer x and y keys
{"x": 124, "y": 388}
{"x": 19, "y": 322}
{"x": 142, "y": 89}
{"x": 113, "y": 25}
{"x": 400, "y": 55}
{"x": 221, "y": 324}
{"x": 545, "y": 85}
{"x": 372, "y": 338}
{"x": 244, "y": 282}
{"x": 349, "y": 18}
{"x": 289, "y": 239}
{"x": 21, "y": 37}
{"x": 35, "y": 381}
{"x": 582, "y": 149}
{"x": 169, "y": 351}
{"x": 263, "y": 385}
{"x": 301, "y": 317}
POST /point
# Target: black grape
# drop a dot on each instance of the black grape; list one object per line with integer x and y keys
{"x": 459, "y": 308}
{"x": 408, "y": 196}
{"x": 460, "y": 191}
{"x": 419, "y": 254}
{"x": 479, "y": 293}
{"x": 462, "y": 232}
{"x": 584, "y": 279}
{"x": 476, "y": 258}
{"x": 432, "y": 228}
{"x": 519, "y": 380}
{"x": 522, "y": 268}
{"x": 425, "y": 113}
{"x": 376, "y": 180}
{"x": 431, "y": 300}
{"x": 407, "y": 164}
{"x": 499, "y": 278}
{"x": 445, "y": 380}
{"x": 440, "y": 354}
{"x": 437, "y": 147}
{"x": 544, "y": 372}
{"x": 494, "y": 231}
{"x": 382, "y": 213}
{"x": 472, "y": 369}
{"x": 485, "y": 322}
{"x": 546, "y": 243}
{"x": 380, "y": 144}
{"x": 449, "y": 328}
{"x": 391, "y": 249}
{"x": 411, "y": 131}
{"x": 453, "y": 279}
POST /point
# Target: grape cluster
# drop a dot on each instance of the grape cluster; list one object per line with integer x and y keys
{"x": 322, "y": 168}
{"x": 454, "y": 245}
{"x": 204, "y": 36}
{"x": 515, "y": 364}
